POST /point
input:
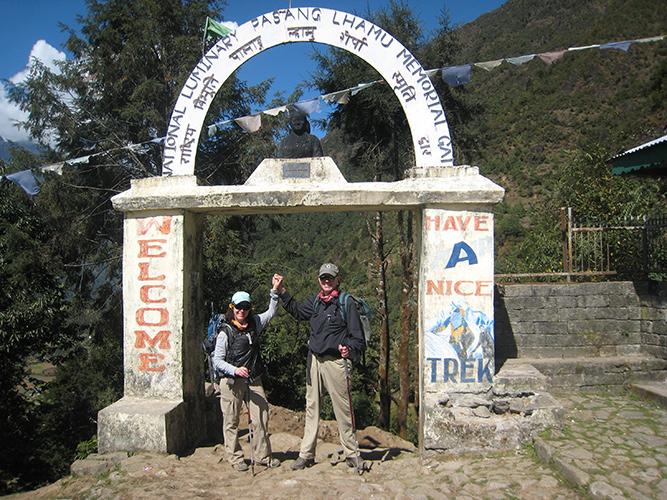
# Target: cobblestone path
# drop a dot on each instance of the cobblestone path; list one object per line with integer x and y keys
{"x": 610, "y": 447}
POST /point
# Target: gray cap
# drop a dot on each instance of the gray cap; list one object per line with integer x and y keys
{"x": 329, "y": 268}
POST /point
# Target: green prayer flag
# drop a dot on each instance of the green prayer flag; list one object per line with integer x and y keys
{"x": 215, "y": 27}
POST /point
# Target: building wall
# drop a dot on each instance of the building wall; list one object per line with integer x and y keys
{"x": 581, "y": 320}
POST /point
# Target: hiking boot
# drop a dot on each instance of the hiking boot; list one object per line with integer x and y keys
{"x": 351, "y": 462}
{"x": 302, "y": 463}
{"x": 241, "y": 466}
{"x": 271, "y": 463}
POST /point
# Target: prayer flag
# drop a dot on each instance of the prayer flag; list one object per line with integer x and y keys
{"x": 250, "y": 123}
{"x": 216, "y": 28}
{"x": 518, "y": 61}
{"x": 584, "y": 47}
{"x": 624, "y": 46}
{"x": 651, "y": 39}
{"x": 26, "y": 180}
{"x": 309, "y": 106}
{"x": 456, "y": 75}
{"x": 361, "y": 86}
{"x": 80, "y": 160}
{"x": 489, "y": 65}
{"x": 340, "y": 97}
{"x": 276, "y": 111}
{"x": 56, "y": 168}
{"x": 551, "y": 57}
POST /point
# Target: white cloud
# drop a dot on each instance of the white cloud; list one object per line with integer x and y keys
{"x": 9, "y": 113}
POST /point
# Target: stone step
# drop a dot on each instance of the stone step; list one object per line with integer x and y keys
{"x": 654, "y": 391}
{"x": 610, "y": 373}
{"x": 517, "y": 377}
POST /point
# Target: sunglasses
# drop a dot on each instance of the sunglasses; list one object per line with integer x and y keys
{"x": 244, "y": 306}
{"x": 327, "y": 277}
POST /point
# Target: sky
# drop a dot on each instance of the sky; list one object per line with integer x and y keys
{"x": 30, "y": 30}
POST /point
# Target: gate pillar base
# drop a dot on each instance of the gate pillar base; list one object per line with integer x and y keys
{"x": 136, "y": 424}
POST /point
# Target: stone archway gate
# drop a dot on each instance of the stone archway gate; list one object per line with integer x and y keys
{"x": 398, "y": 67}
{"x": 163, "y": 404}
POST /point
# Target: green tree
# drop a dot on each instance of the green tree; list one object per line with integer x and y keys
{"x": 106, "y": 106}
{"x": 587, "y": 186}
{"x": 375, "y": 123}
{"x": 34, "y": 314}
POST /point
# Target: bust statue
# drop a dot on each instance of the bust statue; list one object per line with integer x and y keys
{"x": 299, "y": 143}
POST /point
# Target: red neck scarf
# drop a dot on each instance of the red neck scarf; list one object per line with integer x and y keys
{"x": 327, "y": 298}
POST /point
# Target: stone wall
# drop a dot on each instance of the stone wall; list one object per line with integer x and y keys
{"x": 581, "y": 320}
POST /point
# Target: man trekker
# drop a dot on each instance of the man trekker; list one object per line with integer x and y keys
{"x": 333, "y": 341}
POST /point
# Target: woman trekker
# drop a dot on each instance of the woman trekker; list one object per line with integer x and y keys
{"x": 237, "y": 358}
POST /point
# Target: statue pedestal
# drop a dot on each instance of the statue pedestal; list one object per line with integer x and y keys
{"x": 273, "y": 171}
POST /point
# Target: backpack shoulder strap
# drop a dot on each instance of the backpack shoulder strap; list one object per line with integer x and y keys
{"x": 342, "y": 299}
{"x": 226, "y": 327}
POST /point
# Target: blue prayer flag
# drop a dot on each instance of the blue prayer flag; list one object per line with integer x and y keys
{"x": 456, "y": 75}
{"x": 26, "y": 180}
{"x": 624, "y": 46}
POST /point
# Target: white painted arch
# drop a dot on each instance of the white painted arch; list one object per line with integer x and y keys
{"x": 412, "y": 86}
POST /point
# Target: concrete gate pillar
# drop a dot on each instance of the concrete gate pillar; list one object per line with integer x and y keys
{"x": 163, "y": 404}
{"x": 455, "y": 313}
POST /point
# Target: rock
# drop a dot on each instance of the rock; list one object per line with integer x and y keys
{"x": 374, "y": 437}
{"x": 116, "y": 457}
{"x": 599, "y": 490}
{"x": 90, "y": 467}
{"x": 501, "y": 407}
{"x": 285, "y": 442}
{"x": 543, "y": 450}
{"x": 572, "y": 473}
{"x": 481, "y": 412}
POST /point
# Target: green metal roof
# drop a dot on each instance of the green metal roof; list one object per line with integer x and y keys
{"x": 649, "y": 158}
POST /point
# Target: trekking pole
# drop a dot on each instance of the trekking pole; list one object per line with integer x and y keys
{"x": 247, "y": 403}
{"x": 360, "y": 469}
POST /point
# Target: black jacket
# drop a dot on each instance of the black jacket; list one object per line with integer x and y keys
{"x": 327, "y": 327}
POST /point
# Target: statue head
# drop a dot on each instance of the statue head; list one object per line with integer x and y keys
{"x": 298, "y": 122}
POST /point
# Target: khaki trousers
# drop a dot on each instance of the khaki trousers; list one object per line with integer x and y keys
{"x": 327, "y": 372}
{"x": 232, "y": 400}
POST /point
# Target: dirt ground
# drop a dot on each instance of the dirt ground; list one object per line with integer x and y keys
{"x": 392, "y": 470}
{"x": 125, "y": 476}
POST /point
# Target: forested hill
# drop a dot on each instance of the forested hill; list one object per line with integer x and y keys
{"x": 533, "y": 116}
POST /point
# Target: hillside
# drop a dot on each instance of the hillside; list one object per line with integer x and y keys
{"x": 533, "y": 114}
